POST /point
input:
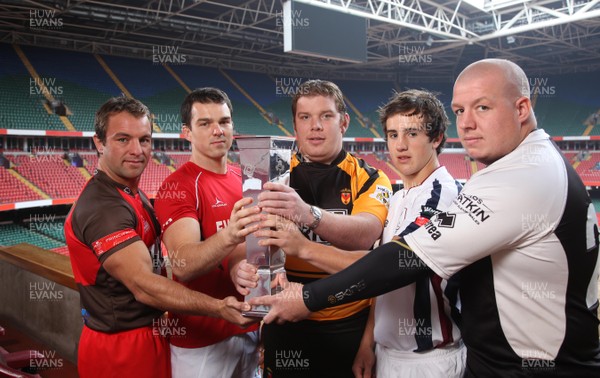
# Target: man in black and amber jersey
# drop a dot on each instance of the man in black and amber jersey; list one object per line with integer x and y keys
{"x": 114, "y": 246}
{"x": 337, "y": 199}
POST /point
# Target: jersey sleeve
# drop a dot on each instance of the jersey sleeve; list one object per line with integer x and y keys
{"x": 481, "y": 221}
{"x": 107, "y": 229}
{"x": 374, "y": 197}
{"x": 174, "y": 201}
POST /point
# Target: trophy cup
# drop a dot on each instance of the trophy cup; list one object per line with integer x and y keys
{"x": 263, "y": 159}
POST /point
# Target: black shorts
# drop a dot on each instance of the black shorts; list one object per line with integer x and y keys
{"x": 313, "y": 348}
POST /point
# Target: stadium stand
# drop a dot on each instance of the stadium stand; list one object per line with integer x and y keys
{"x": 24, "y": 108}
{"x": 380, "y": 163}
{"x": 90, "y": 160}
{"x": 274, "y": 104}
{"x": 458, "y": 165}
{"x": 11, "y": 234}
{"x": 81, "y": 81}
{"x": 563, "y": 103}
{"x": 82, "y": 84}
{"x": 50, "y": 173}
{"x": 152, "y": 177}
{"x": 12, "y": 190}
{"x": 246, "y": 117}
{"x": 366, "y": 96}
{"x": 553, "y": 118}
{"x": 179, "y": 158}
{"x": 48, "y": 226}
{"x": 152, "y": 84}
{"x": 589, "y": 167}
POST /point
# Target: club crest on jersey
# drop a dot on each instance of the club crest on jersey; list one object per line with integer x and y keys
{"x": 382, "y": 194}
{"x": 345, "y": 196}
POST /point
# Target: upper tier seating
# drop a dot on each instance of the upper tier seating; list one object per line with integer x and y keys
{"x": 84, "y": 85}
{"x": 562, "y": 103}
{"x": 21, "y": 102}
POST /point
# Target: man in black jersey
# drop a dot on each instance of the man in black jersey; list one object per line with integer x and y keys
{"x": 337, "y": 199}
{"x": 523, "y": 233}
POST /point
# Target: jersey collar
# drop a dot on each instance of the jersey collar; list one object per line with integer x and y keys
{"x": 338, "y": 159}
{"x": 103, "y": 177}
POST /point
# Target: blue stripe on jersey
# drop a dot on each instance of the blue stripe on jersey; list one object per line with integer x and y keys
{"x": 431, "y": 203}
{"x": 422, "y": 304}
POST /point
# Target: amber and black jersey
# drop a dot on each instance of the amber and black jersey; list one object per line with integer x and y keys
{"x": 346, "y": 186}
{"x": 107, "y": 217}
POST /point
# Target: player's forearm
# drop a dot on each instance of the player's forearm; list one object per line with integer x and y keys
{"x": 328, "y": 258}
{"x": 355, "y": 232}
{"x": 162, "y": 293}
{"x": 192, "y": 260}
{"x": 384, "y": 269}
{"x": 368, "y": 338}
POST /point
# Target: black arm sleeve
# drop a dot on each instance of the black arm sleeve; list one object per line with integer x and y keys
{"x": 386, "y": 268}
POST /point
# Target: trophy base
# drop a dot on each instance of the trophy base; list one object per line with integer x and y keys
{"x": 255, "y": 313}
{"x": 267, "y": 285}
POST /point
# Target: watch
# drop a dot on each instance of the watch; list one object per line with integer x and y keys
{"x": 317, "y": 214}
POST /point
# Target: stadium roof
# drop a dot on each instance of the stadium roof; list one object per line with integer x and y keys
{"x": 544, "y": 37}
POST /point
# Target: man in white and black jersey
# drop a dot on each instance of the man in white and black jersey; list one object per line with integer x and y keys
{"x": 415, "y": 328}
{"x": 523, "y": 233}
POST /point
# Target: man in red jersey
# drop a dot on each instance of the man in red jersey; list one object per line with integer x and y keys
{"x": 114, "y": 246}
{"x": 193, "y": 206}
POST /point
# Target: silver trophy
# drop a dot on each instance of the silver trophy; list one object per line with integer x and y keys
{"x": 264, "y": 159}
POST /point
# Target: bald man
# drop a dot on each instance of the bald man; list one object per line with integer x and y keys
{"x": 523, "y": 233}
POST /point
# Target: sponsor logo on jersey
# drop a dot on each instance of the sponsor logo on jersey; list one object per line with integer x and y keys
{"x": 218, "y": 203}
{"x": 108, "y": 242}
{"x": 346, "y": 196}
{"x": 432, "y": 230}
{"x": 382, "y": 194}
{"x": 355, "y": 288}
{"x": 446, "y": 220}
{"x": 440, "y": 220}
{"x": 428, "y": 211}
{"x": 474, "y": 207}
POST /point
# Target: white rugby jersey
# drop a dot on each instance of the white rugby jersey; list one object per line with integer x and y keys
{"x": 418, "y": 317}
{"x": 524, "y": 235}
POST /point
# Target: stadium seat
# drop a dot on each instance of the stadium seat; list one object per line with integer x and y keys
{"x": 21, "y": 359}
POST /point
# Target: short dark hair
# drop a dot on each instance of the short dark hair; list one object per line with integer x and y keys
{"x": 313, "y": 88}
{"x": 116, "y": 105}
{"x": 206, "y": 95}
{"x": 418, "y": 102}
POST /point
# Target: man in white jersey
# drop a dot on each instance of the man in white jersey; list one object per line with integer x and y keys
{"x": 414, "y": 327}
{"x": 523, "y": 234}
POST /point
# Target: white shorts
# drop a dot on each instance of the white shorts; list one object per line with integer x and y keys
{"x": 236, "y": 357}
{"x": 449, "y": 362}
